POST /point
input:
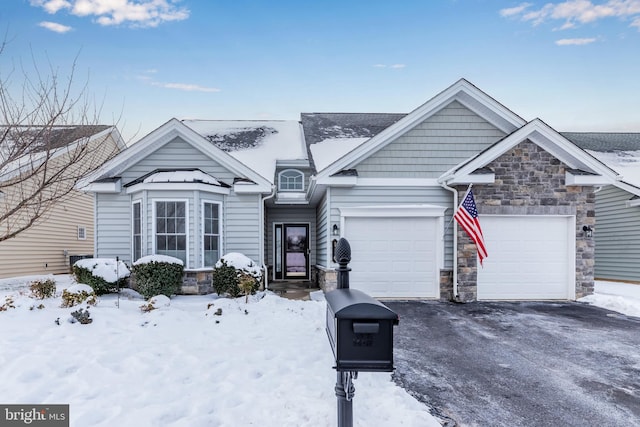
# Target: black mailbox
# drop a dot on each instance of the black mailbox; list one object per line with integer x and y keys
{"x": 360, "y": 331}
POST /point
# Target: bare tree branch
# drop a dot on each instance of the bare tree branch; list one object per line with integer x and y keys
{"x": 49, "y": 140}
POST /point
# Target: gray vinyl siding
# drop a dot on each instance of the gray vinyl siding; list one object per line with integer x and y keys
{"x": 617, "y": 236}
{"x": 447, "y": 138}
{"x": 292, "y": 215}
{"x": 322, "y": 231}
{"x": 240, "y": 213}
{"x": 387, "y": 196}
{"x": 113, "y": 226}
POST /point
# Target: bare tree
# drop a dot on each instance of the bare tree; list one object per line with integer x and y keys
{"x": 49, "y": 140}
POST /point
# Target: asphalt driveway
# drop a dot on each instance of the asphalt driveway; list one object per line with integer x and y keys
{"x": 520, "y": 364}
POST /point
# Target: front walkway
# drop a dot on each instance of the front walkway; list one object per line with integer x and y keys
{"x": 293, "y": 290}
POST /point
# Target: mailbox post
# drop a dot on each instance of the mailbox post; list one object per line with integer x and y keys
{"x": 360, "y": 331}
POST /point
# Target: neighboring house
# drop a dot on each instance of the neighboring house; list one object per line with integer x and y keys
{"x": 284, "y": 192}
{"x": 617, "y": 234}
{"x": 66, "y": 229}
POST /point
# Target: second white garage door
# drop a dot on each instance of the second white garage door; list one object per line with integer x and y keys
{"x": 530, "y": 258}
{"x": 394, "y": 257}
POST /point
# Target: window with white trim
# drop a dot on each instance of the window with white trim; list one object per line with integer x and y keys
{"x": 136, "y": 230}
{"x": 82, "y": 233}
{"x": 171, "y": 229}
{"x": 210, "y": 233}
{"x": 291, "y": 180}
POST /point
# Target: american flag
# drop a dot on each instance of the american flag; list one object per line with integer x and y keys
{"x": 467, "y": 217}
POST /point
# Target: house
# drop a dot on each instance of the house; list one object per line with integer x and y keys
{"x": 64, "y": 228}
{"x": 617, "y": 235}
{"x": 284, "y": 192}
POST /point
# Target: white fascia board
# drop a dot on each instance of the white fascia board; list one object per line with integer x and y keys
{"x": 580, "y": 179}
{"x": 103, "y": 187}
{"x": 248, "y": 188}
{"x": 632, "y": 203}
{"x": 338, "y": 181}
{"x": 461, "y": 91}
{"x": 182, "y": 186}
{"x": 395, "y": 211}
{"x": 397, "y": 182}
{"x": 473, "y": 178}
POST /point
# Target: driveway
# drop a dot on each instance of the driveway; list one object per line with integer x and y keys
{"x": 520, "y": 364}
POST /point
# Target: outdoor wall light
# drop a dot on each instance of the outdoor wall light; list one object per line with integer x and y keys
{"x": 336, "y": 230}
{"x": 588, "y": 231}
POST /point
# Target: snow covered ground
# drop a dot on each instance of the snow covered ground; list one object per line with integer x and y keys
{"x": 200, "y": 361}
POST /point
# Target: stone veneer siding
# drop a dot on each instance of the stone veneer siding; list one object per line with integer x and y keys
{"x": 530, "y": 181}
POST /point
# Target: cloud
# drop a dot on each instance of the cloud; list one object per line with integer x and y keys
{"x": 393, "y": 66}
{"x": 575, "y": 42}
{"x": 55, "y": 27}
{"x": 186, "y": 87}
{"x": 574, "y": 12}
{"x": 136, "y": 13}
{"x": 514, "y": 10}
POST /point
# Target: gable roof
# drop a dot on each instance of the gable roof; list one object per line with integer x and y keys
{"x": 546, "y": 138}
{"x": 339, "y": 133}
{"x": 37, "y": 144}
{"x": 462, "y": 91}
{"x": 163, "y": 135}
{"x": 258, "y": 144}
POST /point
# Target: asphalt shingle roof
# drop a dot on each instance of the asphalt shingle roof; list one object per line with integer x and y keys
{"x": 605, "y": 141}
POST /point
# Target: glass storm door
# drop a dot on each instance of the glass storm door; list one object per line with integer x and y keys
{"x": 295, "y": 251}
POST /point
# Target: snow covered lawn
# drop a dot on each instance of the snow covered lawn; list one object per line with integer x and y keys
{"x": 265, "y": 363}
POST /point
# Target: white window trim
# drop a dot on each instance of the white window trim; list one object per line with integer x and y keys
{"x": 139, "y": 201}
{"x": 82, "y": 235}
{"x": 220, "y": 228}
{"x": 153, "y": 231}
{"x": 288, "y": 189}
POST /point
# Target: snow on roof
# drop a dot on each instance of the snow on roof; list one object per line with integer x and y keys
{"x": 256, "y": 143}
{"x": 182, "y": 176}
{"x": 330, "y": 150}
{"x": 626, "y": 163}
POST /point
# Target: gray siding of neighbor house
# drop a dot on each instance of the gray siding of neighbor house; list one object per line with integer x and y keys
{"x": 445, "y": 139}
{"x": 292, "y": 215}
{"x": 240, "y": 215}
{"x": 389, "y": 196}
{"x": 617, "y": 236}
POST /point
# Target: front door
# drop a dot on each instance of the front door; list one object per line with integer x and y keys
{"x": 292, "y": 251}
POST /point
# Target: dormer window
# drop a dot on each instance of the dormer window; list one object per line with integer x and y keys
{"x": 291, "y": 180}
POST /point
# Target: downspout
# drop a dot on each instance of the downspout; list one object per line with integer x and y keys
{"x": 454, "y": 231}
{"x": 261, "y": 231}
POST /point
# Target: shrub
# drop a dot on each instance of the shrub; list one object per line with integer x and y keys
{"x": 104, "y": 275}
{"x": 156, "y": 275}
{"x": 236, "y": 275}
{"x": 77, "y": 294}
{"x": 42, "y": 289}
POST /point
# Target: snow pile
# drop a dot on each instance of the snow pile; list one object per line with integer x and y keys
{"x": 158, "y": 258}
{"x": 620, "y": 297}
{"x": 200, "y": 362}
{"x": 106, "y": 268}
{"x": 241, "y": 262}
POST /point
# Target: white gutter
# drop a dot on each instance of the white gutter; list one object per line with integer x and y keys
{"x": 454, "y": 230}
{"x": 261, "y": 232}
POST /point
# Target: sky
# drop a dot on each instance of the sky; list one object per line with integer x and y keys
{"x": 574, "y": 64}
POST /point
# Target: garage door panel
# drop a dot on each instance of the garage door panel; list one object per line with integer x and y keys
{"x": 393, "y": 257}
{"x": 530, "y": 257}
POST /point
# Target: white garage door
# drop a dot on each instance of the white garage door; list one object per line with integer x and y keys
{"x": 530, "y": 258}
{"x": 394, "y": 257}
